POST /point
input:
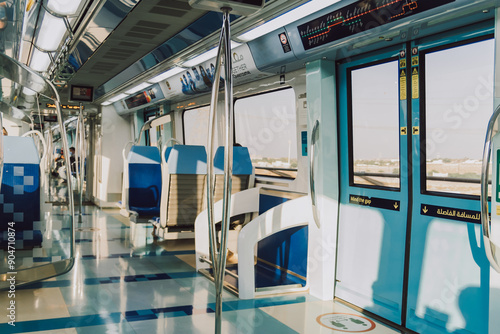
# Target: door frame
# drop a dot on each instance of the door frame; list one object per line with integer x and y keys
{"x": 415, "y": 161}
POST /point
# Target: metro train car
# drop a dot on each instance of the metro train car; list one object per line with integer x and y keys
{"x": 250, "y": 166}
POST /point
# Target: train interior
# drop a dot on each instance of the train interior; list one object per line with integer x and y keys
{"x": 249, "y": 166}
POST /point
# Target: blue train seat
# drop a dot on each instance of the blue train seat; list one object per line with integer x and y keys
{"x": 184, "y": 176}
{"x": 144, "y": 180}
{"x": 243, "y": 177}
{"x": 20, "y": 191}
{"x": 243, "y": 171}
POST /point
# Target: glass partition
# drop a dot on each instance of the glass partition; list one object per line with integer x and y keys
{"x": 36, "y": 235}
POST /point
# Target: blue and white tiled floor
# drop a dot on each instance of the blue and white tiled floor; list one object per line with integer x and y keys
{"x": 120, "y": 284}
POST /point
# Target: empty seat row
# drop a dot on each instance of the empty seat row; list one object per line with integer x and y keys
{"x": 174, "y": 188}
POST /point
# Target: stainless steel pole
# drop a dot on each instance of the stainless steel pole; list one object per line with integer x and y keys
{"x": 218, "y": 253}
{"x": 228, "y": 168}
{"x": 75, "y": 164}
{"x": 210, "y": 156}
{"x": 79, "y": 160}
{"x": 64, "y": 139}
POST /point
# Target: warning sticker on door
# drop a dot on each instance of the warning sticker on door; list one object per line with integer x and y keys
{"x": 402, "y": 85}
{"x": 414, "y": 84}
{"x": 345, "y": 322}
{"x": 402, "y": 63}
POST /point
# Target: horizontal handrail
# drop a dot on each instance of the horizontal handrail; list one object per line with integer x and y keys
{"x": 41, "y": 138}
{"x": 125, "y": 150}
{"x": 277, "y": 168}
{"x": 152, "y": 123}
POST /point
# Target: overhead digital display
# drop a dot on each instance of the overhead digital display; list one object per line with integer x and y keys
{"x": 50, "y": 118}
{"x": 360, "y": 16}
{"x": 81, "y": 93}
{"x": 64, "y": 106}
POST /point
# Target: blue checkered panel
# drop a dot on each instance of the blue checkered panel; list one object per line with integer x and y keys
{"x": 20, "y": 193}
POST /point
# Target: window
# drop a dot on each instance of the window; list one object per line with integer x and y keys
{"x": 196, "y": 126}
{"x": 458, "y": 105}
{"x": 375, "y": 125}
{"x": 266, "y": 124}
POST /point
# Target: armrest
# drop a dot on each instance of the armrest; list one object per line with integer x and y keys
{"x": 292, "y": 213}
{"x": 246, "y": 201}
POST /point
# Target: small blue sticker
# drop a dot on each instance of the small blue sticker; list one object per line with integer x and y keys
{"x": 304, "y": 143}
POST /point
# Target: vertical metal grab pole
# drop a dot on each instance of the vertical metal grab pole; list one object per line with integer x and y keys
{"x": 489, "y": 247}
{"x": 210, "y": 173}
{"x": 50, "y": 150}
{"x": 79, "y": 159}
{"x": 228, "y": 162}
{"x": 75, "y": 165}
{"x": 41, "y": 130}
{"x": 219, "y": 254}
{"x": 64, "y": 139}
{"x": 83, "y": 157}
{"x": 312, "y": 156}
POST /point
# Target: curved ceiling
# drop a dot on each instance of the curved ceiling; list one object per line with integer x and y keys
{"x": 114, "y": 41}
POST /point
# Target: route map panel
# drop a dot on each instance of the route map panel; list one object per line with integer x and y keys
{"x": 360, "y": 16}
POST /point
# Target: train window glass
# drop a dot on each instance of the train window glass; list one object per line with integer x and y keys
{"x": 458, "y": 105}
{"x": 195, "y": 126}
{"x": 375, "y": 125}
{"x": 266, "y": 124}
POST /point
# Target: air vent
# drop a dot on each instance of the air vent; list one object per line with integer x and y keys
{"x": 129, "y": 44}
{"x": 102, "y": 66}
{"x": 139, "y": 35}
{"x": 146, "y": 29}
{"x": 175, "y": 4}
{"x": 118, "y": 56}
{"x": 167, "y": 11}
{"x": 118, "y": 50}
{"x": 154, "y": 25}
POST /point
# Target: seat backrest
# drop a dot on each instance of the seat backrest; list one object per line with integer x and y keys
{"x": 144, "y": 176}
{"x": 243, "y": 172}
{"x": 243, "y": 176}
{"x": 186, "y": 169}
{"x": 167, "y": 152}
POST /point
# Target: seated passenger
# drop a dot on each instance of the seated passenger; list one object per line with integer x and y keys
{"x": 58, "y": 163}
{"x": 72, "y": 160}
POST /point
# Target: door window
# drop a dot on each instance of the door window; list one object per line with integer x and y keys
{"x": 375, "y": 125}
{"x": 458, "y": 105}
